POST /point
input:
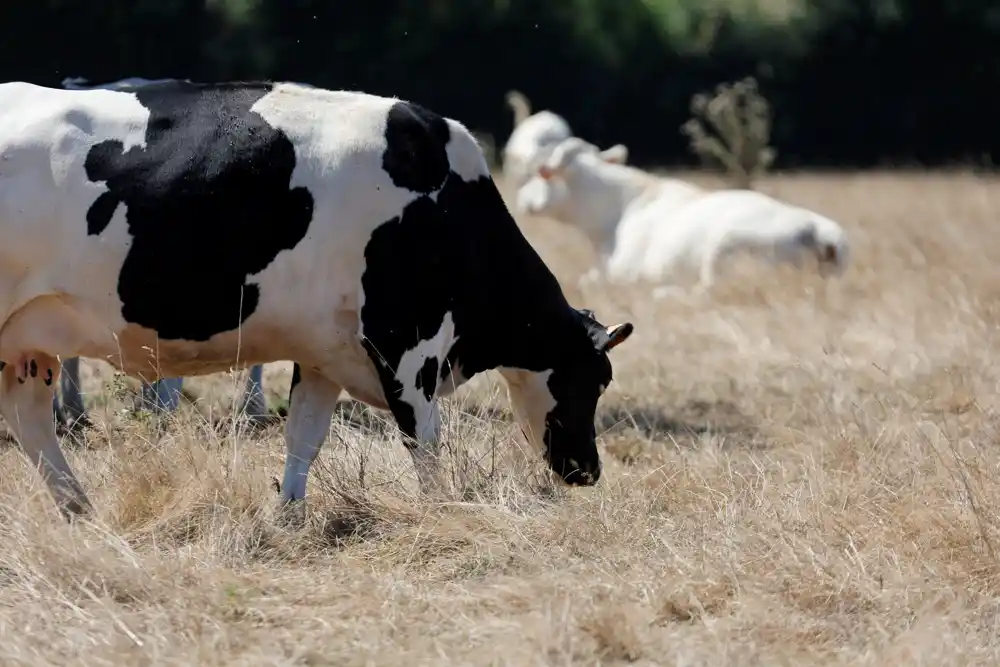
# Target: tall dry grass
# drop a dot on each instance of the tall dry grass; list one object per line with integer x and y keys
{"x": 796, "y": 473}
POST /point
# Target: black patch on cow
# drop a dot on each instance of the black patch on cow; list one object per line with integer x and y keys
{"x": 296, "y": 378}
{"x": 33, "y": 368}
{"x": 464, "y": 254}
{"x": 416, "y": 138}
{"x": 100, "y": 212}
{"x": 208, "y": 203}
{"x": 427, "y": 378}
{"x": 460, "y": 252}
{"x": 48, "y": 376}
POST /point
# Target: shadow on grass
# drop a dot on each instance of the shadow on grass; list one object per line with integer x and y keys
{"x": 685, "y": 424}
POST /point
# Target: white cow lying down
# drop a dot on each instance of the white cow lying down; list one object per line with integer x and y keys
{"x": 646, "y": 227}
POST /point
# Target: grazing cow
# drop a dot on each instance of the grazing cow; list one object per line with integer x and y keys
{"x": 532, "y": 135}
{"x": 646, "y": 227}
{"x": 360, "y": 237}
{"x": 163, "y": 394}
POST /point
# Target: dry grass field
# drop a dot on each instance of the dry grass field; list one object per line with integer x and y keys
{"x": 795, "y": 473}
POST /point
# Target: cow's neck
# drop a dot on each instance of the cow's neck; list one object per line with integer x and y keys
{"x": 511, "y": 310}
{"x": 528, "y": 339}
{"x": 606, "y": 194}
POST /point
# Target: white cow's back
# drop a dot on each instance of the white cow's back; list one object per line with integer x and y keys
{"x": 720, "y": 219}
{"x": 650, "y": 220}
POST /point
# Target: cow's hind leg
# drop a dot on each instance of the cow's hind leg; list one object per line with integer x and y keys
{"x": 254, "y": 404}
{"x": 74, "y": 413}
{"x": 26, "y": 389}
{"x": 311, "y": 402}
{"x": 163, "y": 395}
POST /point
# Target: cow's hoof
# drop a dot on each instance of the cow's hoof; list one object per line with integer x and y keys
{"x": 291, "y": 514}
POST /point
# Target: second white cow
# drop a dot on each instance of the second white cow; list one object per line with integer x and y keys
{"x": 533, "y": 134}
{"x": 647, "y": 227}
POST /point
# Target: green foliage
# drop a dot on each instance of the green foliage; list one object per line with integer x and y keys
{"x": 733, "y": 128}
{"x": 849, "y": 81}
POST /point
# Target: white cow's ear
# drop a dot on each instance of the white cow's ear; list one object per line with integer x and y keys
{"x": 617, "y": 154}
{"x": 618, "y": 334}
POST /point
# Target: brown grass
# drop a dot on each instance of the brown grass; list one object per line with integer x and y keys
{"x": 796, "y": 473}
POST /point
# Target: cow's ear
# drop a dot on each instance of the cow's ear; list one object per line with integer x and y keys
{"x": 617, "y": 154}
{"x": 616, "y": 335}
{"x": 605, "y": 338}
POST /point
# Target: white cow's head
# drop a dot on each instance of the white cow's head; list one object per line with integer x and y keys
{"x": 548, "y": 191}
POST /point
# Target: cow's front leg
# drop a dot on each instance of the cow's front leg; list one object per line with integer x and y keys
{"x": 311, "y": 402}
{"x": 411, "y": 393}
{"x": 424, "y": 446}
{"x": 26, "y": 389}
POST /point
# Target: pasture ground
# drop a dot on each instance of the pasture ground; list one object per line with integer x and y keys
{"x": 795, "y": 473}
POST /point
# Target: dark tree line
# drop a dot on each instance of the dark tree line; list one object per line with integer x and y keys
{"x": 853, "y": 83}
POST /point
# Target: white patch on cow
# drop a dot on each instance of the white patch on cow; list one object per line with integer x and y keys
{"x": 465, "y": 154}
{"x": 426, "y": 412}
{"x": 340, "y": 162}
{"x": 531, "y": 401}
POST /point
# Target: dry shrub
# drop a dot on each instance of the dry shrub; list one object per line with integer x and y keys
{"x": 732, "y": 128}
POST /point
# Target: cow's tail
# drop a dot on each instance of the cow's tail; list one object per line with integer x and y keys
{"x": 517, "y": 101}
{"x": 833, "y": 247}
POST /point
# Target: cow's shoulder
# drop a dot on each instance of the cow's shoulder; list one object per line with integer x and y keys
{"x": 437, "y": 256}
{"x": 423, "y": 148}
{"x": 416, "y": 155}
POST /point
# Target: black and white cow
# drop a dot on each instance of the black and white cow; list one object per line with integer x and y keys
{"x": 164, "y": 394}
{"x": 361, "y": 237}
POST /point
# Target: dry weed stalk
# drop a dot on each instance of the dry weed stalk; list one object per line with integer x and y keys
{"x": 733, "y": 128}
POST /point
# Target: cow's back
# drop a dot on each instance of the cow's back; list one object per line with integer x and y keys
{"x": 45, "y": 135}
{"x": 265, "y": 194}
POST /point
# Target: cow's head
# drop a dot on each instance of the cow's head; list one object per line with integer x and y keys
{"x": 547, "y": 192}
{"x": 556, "y": 407}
